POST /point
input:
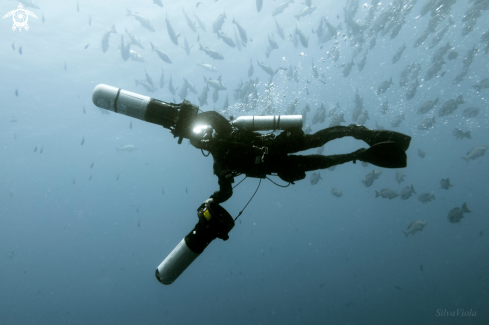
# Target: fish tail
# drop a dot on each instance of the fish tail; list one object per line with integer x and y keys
{"x": 405, "y": 233}
{"x": 466, "y": 159}
{"x": 467, "y": 135}
{"x": 412, "y": 189}
{"x": 129, "y": 12}
{"x": 464, "y": 208}
{"x": 152, "y": 46}
{"x": 377, "y": 194}
{"x": 477, "y": 87}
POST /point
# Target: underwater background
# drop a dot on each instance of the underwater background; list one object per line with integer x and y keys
{"x": 83, "y": 225}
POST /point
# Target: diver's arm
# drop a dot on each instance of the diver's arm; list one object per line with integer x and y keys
{"x": 216, "y": 121}
{"x": 225, "y": 190}
{"x": 178, "y": 118}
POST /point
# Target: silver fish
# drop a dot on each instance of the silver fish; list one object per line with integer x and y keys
{"x": 171, "y": 88}
{"x": 250, "y": 69}
{"x": 459, "y": 134}
{"x": 134, "y": 40}
{"x": 208, "y": 67}
{"x": 369, "y": 180}
{"x": 218, "y": 23}
{"x": 427, "y": 123}
{"x": 398, "y": 54}
{"x": 456, "y": 214}
{"x": 315, "y": 178}
{"x": 407, "y": 192}
{"x": 471, "y": 111}
{"x": 135, "y": 56}
{"x": 400, "y": 177}
{"x": 201, "y": 24}
{"x": 280, "y": 30}
{"x": 162, "y": 78}
{"x": 281, "y": 7}
{"x": 445, "y": 183}
{"x": 337, "y": 120}
{"x": 203, "y": 96}
{"x": 241, "y": 31}
{"x": 428, "y": 106}
{"x": 412, "y": 90}
{"x": 475, "y": 152}
{"x": 306, "y": 11}
{"x": 171, "y": 32}
{"x": 226, "y": 39}
{"x": 126, "y": 148}
{"x": 143, "y": 20}
{"x": 415, "y": 227}
{"x": 190, "y": 23}
{"x": 450, "y": 106}
{"x": 397, "y": 120}
{"x": 212, "y": 53}
{"x": 304, "y": 41}
{"x": 336, "y": 192}
{"x": 387, "y": 193}
{"x": 161, "y": 54}
{"x": 426, "y": 197}
{"x": 384, "y": 86}
{"x": 105, "y": 38}
{"x": 216, "y": 84}
{"x": 259, "y": 5}
{"x": 185, "y": 46}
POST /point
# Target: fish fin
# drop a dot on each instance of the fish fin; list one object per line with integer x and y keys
{"x": 464, "y": 208}
{"x": 467, "y": 135}
{"x": 412, "y": 189}
{"x": 129, "y": 12}
{"x": 377, "y": 194}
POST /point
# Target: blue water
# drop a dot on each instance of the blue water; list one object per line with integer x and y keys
{"x": 79, "y": 245}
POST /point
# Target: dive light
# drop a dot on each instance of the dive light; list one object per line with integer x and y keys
{"x": 214, "y": 222}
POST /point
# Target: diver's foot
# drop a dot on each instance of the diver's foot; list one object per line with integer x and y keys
{"x": 385, "y": 154}
{"x": 372, "y": 137}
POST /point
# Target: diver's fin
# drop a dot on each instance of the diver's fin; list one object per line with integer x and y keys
{"x": 385, "y": 154}
{"x": 372, "y": 137}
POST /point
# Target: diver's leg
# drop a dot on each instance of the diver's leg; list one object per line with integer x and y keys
{"x": 294, "y": 167}
{"x": 372, "y": 137}
{"x": 386, "y": 154}
{"x": 359, "y": 132}
{"x": 323, "y": 136}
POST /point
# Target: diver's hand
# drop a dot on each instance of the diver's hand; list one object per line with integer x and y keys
{"x": 208, "y": 202}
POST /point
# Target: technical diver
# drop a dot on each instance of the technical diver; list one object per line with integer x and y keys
{"x": 237, "y": 148}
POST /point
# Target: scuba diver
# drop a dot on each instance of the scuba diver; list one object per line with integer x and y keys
{"x": 237, "y": 148}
